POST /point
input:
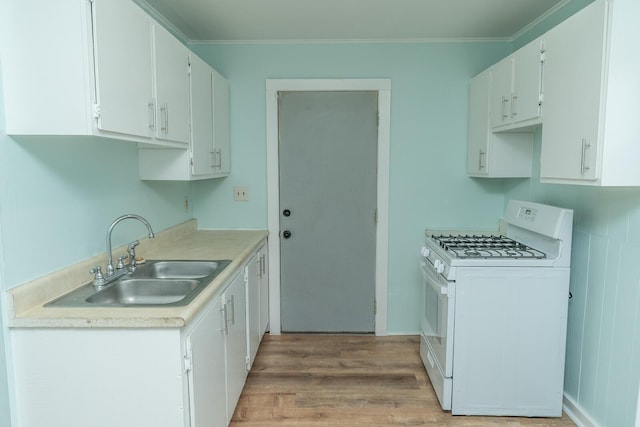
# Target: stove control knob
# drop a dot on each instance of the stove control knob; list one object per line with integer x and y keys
{"x": 439, "y": 266}
{"x": 425, "y": 251}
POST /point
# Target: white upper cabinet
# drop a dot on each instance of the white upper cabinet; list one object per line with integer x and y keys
{"x": 78, "y": 67}
{"x": 208, "y": 155}
{"x": 122, "y": 35}
{"x": 493, "y": 155}
{"x": 221, "y": 138}
{"x": 591, "y": 129}
{"x": 172, "y": 87}
{"x": 516, "y": 89}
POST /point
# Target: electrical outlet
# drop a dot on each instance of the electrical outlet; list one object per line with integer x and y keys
{"x": 241, "y": 194}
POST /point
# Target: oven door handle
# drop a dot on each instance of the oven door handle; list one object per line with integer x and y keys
{"x": 434, "y": 280}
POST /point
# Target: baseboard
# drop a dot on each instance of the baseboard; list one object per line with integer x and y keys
{"x": 576, "y": 413}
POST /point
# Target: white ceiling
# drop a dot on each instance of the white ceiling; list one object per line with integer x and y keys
{"x": 327, "y": 20}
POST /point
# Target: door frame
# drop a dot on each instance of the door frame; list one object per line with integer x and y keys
{"x": 383, "y": 88}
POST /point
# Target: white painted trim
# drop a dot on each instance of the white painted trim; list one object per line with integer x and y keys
{"x": 638, "y": 409}
{"x": 507, "y": 39}
{"x": 539, "y": 19}
{"x": 383, "y": 87}
{"x": 577, "y": 415}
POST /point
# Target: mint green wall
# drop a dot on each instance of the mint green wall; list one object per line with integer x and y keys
{"x": 428, "y": 182}
{"x": 603, "y": 339}
{"x": 602, "y": 372}
{"x": 57, "y": 199}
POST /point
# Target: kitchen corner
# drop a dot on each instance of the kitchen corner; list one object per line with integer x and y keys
{"x": 183, "y": 241}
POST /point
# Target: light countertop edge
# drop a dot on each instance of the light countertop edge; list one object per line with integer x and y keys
{"x": 26, "y": 302}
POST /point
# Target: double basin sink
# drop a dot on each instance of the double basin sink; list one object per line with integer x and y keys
{"x": 155, "y": 283}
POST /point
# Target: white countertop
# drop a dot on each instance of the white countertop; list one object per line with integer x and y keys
{"x": 26, "y": 302}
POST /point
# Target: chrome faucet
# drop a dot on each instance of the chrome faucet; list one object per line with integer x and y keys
{"x": 113, "y": 224}
{"x": 110, "y": 275}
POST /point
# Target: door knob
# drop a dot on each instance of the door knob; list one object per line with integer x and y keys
{"x": 286, "y": 234}
{"x": 286, "y": 212}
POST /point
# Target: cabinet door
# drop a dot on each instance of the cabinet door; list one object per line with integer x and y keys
{"x": 264, "y": 290}
{"x": 236, "y": 339}
{"x": 206, "y": 350}
{"x": 222, "y": 155}
{"x": 123, "y": 61}
{"x": 525, "y": 101}
{"x": 172, "y": 87}
{"x": 478, "y": 124}
{"x": 572, "y": 96}
{"x": 253, "y": 270}
{"x": 501, "y": 88}
{"x": 201, "y": 118}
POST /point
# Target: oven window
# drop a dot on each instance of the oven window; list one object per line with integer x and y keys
{"x": 432, "y": 316}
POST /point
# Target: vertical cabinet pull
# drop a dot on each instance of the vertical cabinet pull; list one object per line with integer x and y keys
{"x": 584, "y": 167}
{"x": 213, "y": 159}
{"x": 480, "y": 156}
{"x": 164, "y": 118}
{"x": 505, "y": 100}
{"x": 233, "y": 310}
{"x": 514, "y": 105}
{"x": 152, "y": 114}
{"x": 225, "y": 328}
{"x": 216, "y": 159}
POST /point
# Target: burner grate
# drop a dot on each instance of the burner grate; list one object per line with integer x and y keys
{"x": 485, "y": 246}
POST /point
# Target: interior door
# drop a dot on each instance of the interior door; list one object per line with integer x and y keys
{"x": 327, "y": 166}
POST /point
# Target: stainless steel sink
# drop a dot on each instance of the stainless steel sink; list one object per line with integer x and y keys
{"x": 144, "y": 292}
{"x": 155, "y": 283}
{"x": 177, "y": 269}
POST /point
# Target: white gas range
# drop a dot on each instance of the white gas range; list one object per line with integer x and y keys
{"x": 494, "y": 313}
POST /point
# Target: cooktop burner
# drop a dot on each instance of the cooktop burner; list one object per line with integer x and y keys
{"x": 485, "y": 246}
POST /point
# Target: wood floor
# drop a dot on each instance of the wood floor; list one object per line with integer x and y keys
{"x": 350, "y": 381}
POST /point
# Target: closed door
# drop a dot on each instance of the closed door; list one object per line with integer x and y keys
{"x": 327, "y": 172}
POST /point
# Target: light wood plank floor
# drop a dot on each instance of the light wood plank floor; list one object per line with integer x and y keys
{"x": 349, "y": 381}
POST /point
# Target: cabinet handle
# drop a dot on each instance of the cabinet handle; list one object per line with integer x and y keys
{"x": 504, "y": 107}
{"x": 514, "y": 105}
{"x": 164, "y": 116}
{"x": 213, "y": 159}
{"x": 233, "y": 309}
{"x": 219, "y": 164}
{"x": 152, "y": 114}
{"x": 225, "y": 329}
{"x": 480, "y": 156}
{"x": 583, "y": 159}
{"x": 263, "y": 262}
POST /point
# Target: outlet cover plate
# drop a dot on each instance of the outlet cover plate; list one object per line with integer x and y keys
{"x": 241, "y": 194}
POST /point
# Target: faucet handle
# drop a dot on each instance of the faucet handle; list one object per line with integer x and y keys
{"x": 120, "y": 264}
{"x": 98, "y": 280}
{"x": 132, "y": 253}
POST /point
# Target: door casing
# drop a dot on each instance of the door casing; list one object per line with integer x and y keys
{"x": 383, "y": 87}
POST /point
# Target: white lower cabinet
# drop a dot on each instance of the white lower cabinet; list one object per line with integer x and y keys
{"x": 205, "y": 359}
{"x": 236, "y": 341}
{"x": 257, "y": 302}
{"x": 131, "y": 377}
{"x": 100, "y": 377}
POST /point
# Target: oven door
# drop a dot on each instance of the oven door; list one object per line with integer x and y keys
{"x": 437, "y": 316}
